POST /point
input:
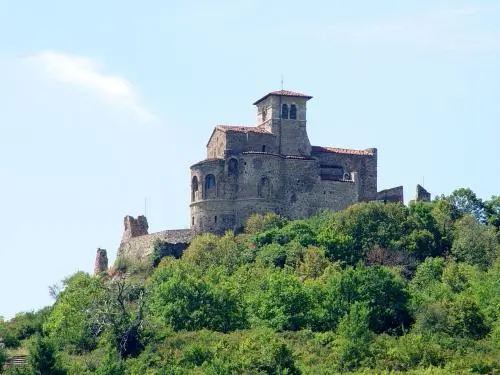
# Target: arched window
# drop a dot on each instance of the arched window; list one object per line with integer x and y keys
{"x": 194, "y": 189}
{"x": 232, "y": 167}
{"x": 284, "y": 111}
{"x": 293, "y": 112}
{"x": 210, "y": 186}
{"x": 263, "y": 189}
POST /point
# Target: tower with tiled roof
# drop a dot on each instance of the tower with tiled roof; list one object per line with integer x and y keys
{"x": 283, "y": 113}
{"x": 272, "y": 166}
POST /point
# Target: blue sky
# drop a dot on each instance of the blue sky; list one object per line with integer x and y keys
{"x": 106, "y": 103}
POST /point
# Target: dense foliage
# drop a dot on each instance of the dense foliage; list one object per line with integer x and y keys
{"x": 376, "y": 288}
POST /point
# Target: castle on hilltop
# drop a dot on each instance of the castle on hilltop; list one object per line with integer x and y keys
{"x": 273, "y": 167}
{"x": 269, "y": 167}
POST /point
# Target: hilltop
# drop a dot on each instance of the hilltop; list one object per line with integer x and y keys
{"x": 374, "y": 288}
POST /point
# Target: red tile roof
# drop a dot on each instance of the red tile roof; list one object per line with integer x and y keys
{"x": 284, "y": 93}
{"x": 242, "y": 129}
{"x": 335, "y": 150}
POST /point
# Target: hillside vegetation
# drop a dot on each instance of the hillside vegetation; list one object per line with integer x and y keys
{"x": 374, "y": 289}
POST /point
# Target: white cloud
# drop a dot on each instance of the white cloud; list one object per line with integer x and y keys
{"x": 452, "y": 29}
{"x": 86, "y": 73}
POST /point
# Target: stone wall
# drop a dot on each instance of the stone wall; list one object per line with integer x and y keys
{"x": 101, "y": 262}
{"x": 140, "y": 248}
{"x": 216, "y": 146}
{"x": 290, "y": 186}
{"x": 422, "y": 194}
{"x": 394, "y": 194}
{"x": 134, "y": 227}
{"x": 364, "y": 162}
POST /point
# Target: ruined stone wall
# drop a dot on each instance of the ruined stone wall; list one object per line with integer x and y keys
{"x": 101, "y": 261}
{"x": 422, "y": 194}
{"x": 134, "y": 227}
{"x": 394, "y": 195}
{"x": 140, "y": 248}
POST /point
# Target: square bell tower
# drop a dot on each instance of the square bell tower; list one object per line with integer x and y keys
{"x": 283, "y": 113}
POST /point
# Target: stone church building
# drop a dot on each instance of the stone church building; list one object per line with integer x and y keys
{"x": 272, "y": 166}
{"x": 269, "y": 167}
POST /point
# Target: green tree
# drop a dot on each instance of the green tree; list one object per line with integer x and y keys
{"x": 42, "y": 357}
{"x": 314, "y": 263}
{"x": 474, "y": 243}
{"x": 427, "y": 287}
{"x": 3, "y": 358}
{"x": 260, "y": 223}
{"x": 353, "y": 338}
{"x": 279, "y": 301}
{"x": 383, "y": 293}
{"x": 112, "y": 363}
{"x": 373, "y": 224}
{"x": 492, "y": 210}
{"x": 185, "y": 300}
{"x": 120, "y": 315}
{"x": 261, "y": 352}
{"x": 208, "y": 250}
{"x": 465, "y": 202}
{"x": 71, "y": 321}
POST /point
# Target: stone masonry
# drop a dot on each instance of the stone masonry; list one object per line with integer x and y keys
{"x": 268, "y": 167}
{"x": 134, "y": 227}
{"x": 272, "y": 166}
{"x": 138, "y": 246}
{"x": 101, "y": 261}
{"x": 422, "y": 194}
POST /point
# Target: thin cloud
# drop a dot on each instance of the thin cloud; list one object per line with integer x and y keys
{"x": 86, "y": 73}
{"x": 452, "y": 29}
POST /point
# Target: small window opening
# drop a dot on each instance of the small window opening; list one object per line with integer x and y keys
{"x": 194, "y": 188}
{"x": 192, "y": 220}
{"x": 263, "y": 148}
{"x": 210, "y": 187}
{"x": 215, "y": 219}
{"x": 284, "y": 111}
{"x": 293, "y": 112}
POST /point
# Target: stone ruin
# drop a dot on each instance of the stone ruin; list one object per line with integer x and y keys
{"x": 422, "y": 194}
{"x": 393, "y": 195}
{"x": 137, "y": 243}
{"x": 101, "y": 261}
{"x": 134, "y": 227}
